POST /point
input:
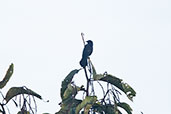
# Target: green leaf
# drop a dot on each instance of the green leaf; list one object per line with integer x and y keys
{"x": 69, "y": 107}
{"x": 126, "y": 107}
{"x": 67, "y": 80}
{"x": 128, "y": 90}
{"x": 98, "y": 76}
{"x": 105, "y": 108}
{"x": 109, "y": 109}
{"x": 98, "y": 107}
{"x": 70, "y": 92}
{"x": 14, "y": 91}
{"x": 86, "y": 103}
{"x": 7, "y": 76}
{"x": 112, "y": 80}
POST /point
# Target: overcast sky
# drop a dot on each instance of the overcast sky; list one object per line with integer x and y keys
{"x": 132, "y": 40}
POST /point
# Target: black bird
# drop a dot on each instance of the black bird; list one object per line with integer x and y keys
{"x": 87, "y": 51}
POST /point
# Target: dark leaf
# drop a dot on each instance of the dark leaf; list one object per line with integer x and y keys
{"x": 112, "y": 80}
{"x": 87, "y": 103}
{"x": 105, "y": 108}
{"x": 128, "y": 90}
{"x": 69, "y": 107}
{"x": 70, "y": 93}
{"x": 126, "y": 107}
{"x": 109, "y": 109}
{"x": 99, "y": 108}
{"x": 7, "y": 76}
{"x": 14, "y": 91}
{"x": 67, "y": 80}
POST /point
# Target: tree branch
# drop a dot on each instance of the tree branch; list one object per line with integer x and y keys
{"x": 3, "y": 110}
{"x": 82, "y": 35}
{"x": 88, "y": 80}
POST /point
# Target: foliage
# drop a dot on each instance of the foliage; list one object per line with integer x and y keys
{"x": 7, "y": 76}
{"x": 66, "y": 81}
{"x": 91, "y": 103}
{"x": 70, "y": 104}
{"x": 14, "y": 91}
{"x": 25, "y": 96}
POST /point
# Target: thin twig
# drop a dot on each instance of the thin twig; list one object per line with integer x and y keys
{"x": 87, "y": 93}
{"x": 2, "y": 95}
{"x": 91, "y": 74}
{"x": 29, "y": 100}
{"x": 35, "y": 103}
{"x": 7, "y": 109}
{"x": 20, "y": 101}
{"x": 3, "y": 110}
{"x": 92, "y": 87}
{"x": 30, "y": 108}
{"x": 108, "y": 94}
{"x": 115, "y": 98}
{"x": 101, "y": 87}
{"x": 105, "y": 96}
{"x": 82, "y": 35}
{"x": 117, "y": 92}
{"x": 24, "y": 103}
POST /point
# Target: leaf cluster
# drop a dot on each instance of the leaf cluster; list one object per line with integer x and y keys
{"x": 91, "y": 104}
{"x": 23, "y": 92}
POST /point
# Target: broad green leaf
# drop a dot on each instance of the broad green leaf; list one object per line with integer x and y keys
{"x": 87, "y": 108}
{"x": 109, "y": 109}
{"x": 67, "y": 80}
{"x": 14, "y": 91}
{"x": 128, "y": 90}
{"x": 98, "y": 76}
{"x": 98, "y": 107}
{"x": 71, "y": 91}
{"x": 61, "y": 112}
{"x": 69, "y": 107}
{"x": 69, "y": 102}
{"x": 88, "y": 101}
{"x": 112, "y": 80}
{"x": 68, "y": 91}
{"x": 126, "y": 107}
{"x": 105, "y": 108}
{"x": 7, "y": 76}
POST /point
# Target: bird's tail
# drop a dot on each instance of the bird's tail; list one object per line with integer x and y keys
{"x": 83, "y": 62}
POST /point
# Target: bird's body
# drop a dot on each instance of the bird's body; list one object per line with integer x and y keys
{"x": 87, "y": 51}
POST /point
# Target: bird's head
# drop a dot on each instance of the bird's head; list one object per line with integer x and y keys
{"x": 90, "y": 42}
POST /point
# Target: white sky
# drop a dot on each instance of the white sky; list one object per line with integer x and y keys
{"x": 131, "y": 41}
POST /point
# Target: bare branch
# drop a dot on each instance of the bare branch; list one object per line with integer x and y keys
{"x": 82, "y": 34}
